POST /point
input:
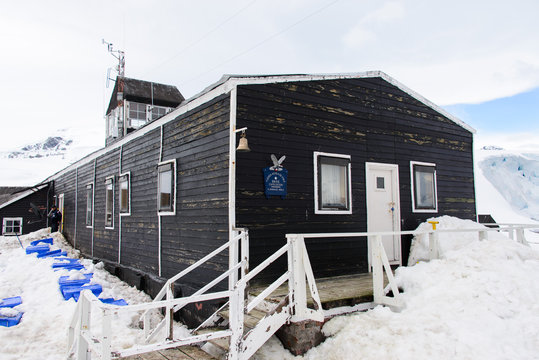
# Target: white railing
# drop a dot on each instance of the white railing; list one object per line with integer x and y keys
{"x": 83, "y": 342}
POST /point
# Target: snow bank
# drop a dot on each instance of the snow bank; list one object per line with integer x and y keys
{"x": 42, "y": 332}
{"x": 478, "y": 302}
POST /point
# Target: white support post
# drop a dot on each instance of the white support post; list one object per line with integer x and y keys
{"x": 237, "y": 308}
{"x": 84, "y": 327}
{"x": 434, "y": 252}
{"x": 510, "y": 232}
{"x": 233, "y": 254}
{"x": 520, "y": 236}
{"x": 169, "y": 313}
{"x": 483, "y": 235}
{"x": 298, "y": 278}
{"x": 107, "y": 335}
{"x": 245, "y": 252}
{"x": 377, "y": 270}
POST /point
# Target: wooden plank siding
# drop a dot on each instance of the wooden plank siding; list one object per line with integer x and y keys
{"x": 369, "y": 119}
{"x": 21, "y": 209}
{"x": 198, "y": 141}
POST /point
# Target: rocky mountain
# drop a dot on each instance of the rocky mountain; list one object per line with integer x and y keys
{"x": 52, "y": 146}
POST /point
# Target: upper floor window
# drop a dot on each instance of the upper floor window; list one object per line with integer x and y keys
{"x": 424, "y": 196}
{"x": 125, "y": 194}
{"x": 333, "y": 189}
{"x": 89, "y": 204}
{"x": 140, "y": 114}
{"x": 166, "y": 186}
{"x": 12, "y": 226}
{"x": 109, "y": 202}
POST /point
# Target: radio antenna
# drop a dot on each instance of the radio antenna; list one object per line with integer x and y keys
{"x": 119, "y": 55}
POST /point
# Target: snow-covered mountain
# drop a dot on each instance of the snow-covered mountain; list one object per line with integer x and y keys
{"x": 34, "y": 161}
{"x": 51, "y": 146}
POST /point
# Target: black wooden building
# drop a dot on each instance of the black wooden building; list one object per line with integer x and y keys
{"x": 363, "y": 153}
{"x": 24, "y": 210}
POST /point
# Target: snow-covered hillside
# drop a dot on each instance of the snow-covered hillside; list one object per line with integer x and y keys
{"x": 32, "y": 162}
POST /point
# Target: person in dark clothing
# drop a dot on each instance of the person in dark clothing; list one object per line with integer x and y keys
{"x": 55, "y": 217}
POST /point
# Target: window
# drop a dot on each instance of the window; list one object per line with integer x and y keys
{"x": 109, "y": 202}
{"x": 155, "y": 112}
{"x": 333, "y": 190}
{"x": 12, "y": 226}
{"x": 125, "y": 194}
{"x": 112, "y": 123}
{"x": 89, "y": 204}
{"x": 166, "y": 189}
{"x": 137, "y": 114}
{"x": 424, "y": 197}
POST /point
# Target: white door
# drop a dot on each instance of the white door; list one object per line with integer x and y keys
{"x": 383, "y": 207}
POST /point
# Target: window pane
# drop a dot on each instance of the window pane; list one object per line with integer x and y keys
{"x": 165, "y": 189}
{"x": 109, "y": 203}
{"x": 424, "y": 187}
{"x": 124, "y": 194}
{"x": 89, "y": 204}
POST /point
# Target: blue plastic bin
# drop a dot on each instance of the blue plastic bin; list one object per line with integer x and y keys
{"x": 50, "y": 254}
{"x": 111, "y": 301}
{"x": 10, "y": 301}
{"x": 44, "y": 241}
{"x": 66, "y": 259}
{"x": 38, "y": 249}
{"x": 56, "y": 252}
{"x": 69, "y": 292}
{"x": 65, "y": 281}
{"x": 10, "y": 320}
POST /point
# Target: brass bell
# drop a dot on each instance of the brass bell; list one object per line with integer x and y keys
{"x": 243, "y": 146}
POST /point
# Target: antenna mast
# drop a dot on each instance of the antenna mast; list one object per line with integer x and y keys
{"x": 118, "y": 54}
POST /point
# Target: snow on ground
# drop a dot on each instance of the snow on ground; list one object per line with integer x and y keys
{"x": 42, "y": 332}
{"x": 478, "y": 301}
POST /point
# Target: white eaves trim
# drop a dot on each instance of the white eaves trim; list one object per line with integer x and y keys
{"x": 22, "y": 196}
{"x": 229, "y": 82}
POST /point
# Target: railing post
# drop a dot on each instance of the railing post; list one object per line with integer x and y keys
{"x": 483, "y": 235}
{"x": 510, "y": 232}
{"x": 233, "y": 259}
{"x": 297, "y": 284}
{"x": 434, "y": 252}
{"x": 377, "y": 270}
{"x": 520, "y": 236}
{"x": 237, "y": 308}
{"x": 169, "y": 313}
{"x": 245, "y": 252}
{"x": 82, "y": 346}
{"x": 107, "y": 334}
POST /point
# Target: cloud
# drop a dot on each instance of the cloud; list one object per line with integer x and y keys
{"x": 363, "y": 32}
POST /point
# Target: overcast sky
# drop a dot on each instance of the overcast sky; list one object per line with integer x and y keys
{"x": 53, "y": 65}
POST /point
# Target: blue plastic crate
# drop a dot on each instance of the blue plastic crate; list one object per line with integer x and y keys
{"x": 10, "y": 301}
{"x": 69, "y": 292}
{"x": 10, "y": 320}
{"x": 68, "y": 267}
{"x": 65, "y": 281}
{"x": 66, "y": 260}
{"x": 111, "y": 301}
{"x": 38, "y": 249}
{"x": 56, "y": 252}
{"x": 44, "y": 241}
{"x": 50, "y": 254}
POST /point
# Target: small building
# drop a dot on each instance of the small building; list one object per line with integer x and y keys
{"x": 329, "y": 153}
{"x": 24, "y": 210}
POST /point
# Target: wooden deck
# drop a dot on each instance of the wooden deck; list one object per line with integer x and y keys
{"x": 334, "y": 291}
{"x": 182, "y": 353}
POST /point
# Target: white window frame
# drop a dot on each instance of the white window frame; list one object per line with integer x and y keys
{"x": 92, "y": 206}
{"x": 111, "y": 179}
{"x": 413, "y": 187}
{"x": 174, "y": 190}
{"x": 317, "y": 209}
{"x": 128, "y": 213}
{"x": 4, "y": 225}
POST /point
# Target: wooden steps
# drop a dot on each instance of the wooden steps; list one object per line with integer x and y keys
{"x": 181, "y": 353}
